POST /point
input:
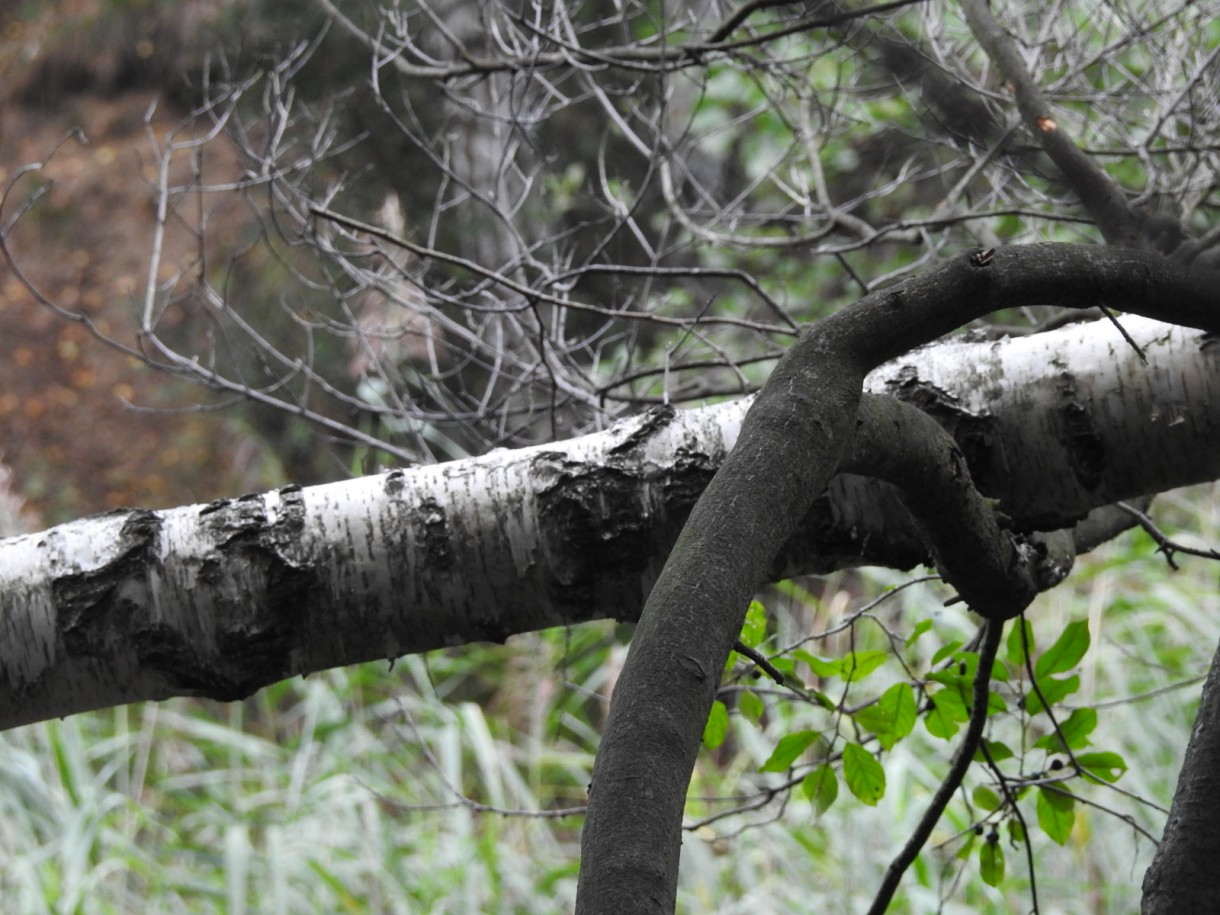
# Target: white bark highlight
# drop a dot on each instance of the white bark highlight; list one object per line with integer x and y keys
{"x": 221, "y": 599}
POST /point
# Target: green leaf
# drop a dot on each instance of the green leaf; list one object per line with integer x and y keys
{"x": 1075, "y": 730}
{"x": 997, "y": 749}
{"x": 891, "y": 717}
{"x": 859, "y": 664}
{"x": 945, "y": 650}
{"x": 821, "y": 787}
{"x": 1014, "y": 647}
{"x": 786, "y": 666}
{"x": 1053, "y": 689}
{"x": 1016, "y": 832}
{"x": 1067, "y": 651}
{"x": 852, "y": 667}
{"x": 751, "y": 706}
{"x": 953, "y": 702}
{"x": 754, "y": 630}
{"x": 864, "y": 776}
{"x": 991, "y": 863}
{"x": 821, "y": 667}
{"x": 790, "y": 746}
{"x": 1056, "y": 814}
{"x": 986, "y": 798}
{"x": 823, "y": 700}
{"x": 1106, "y": 766}
{"x": 946, "y": 712}
{"x": 920, "y": 628}
{"x": 717, "y": 727}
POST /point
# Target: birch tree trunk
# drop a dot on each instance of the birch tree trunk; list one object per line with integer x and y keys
{"x": 219, "y": 600}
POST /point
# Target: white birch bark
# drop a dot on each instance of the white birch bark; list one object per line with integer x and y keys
{"x": 218, "y": 600}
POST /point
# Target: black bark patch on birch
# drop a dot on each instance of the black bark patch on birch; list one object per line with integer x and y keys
{"x": 1079, "y": 437}
{"x": 430, "y": 525}
{"x": 253, "y": 645}
{"x": 96, "y": 607}
{"x": 596, "y": 517}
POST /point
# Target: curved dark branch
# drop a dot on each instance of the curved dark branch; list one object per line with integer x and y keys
{"x": 1181, "y": 877}
{"x": 996, "y": 572}
{"x": 792, "y": 442}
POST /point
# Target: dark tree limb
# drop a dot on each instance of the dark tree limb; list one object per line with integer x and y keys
{"x": 1182, "y": 876}
{"x": 996, "y": 572}
{"x": 793, "y": 441}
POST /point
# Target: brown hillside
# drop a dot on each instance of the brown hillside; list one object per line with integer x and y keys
{"x": 84, "y": 427}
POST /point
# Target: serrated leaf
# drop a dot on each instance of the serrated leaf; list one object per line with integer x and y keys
{"x": 754, "y": 629}
{"x": 920, "y": 628}
{"x": 1014, "y": 647}
{"x": 891, "y": 717}
{"x": 1056, "y": 814}
{"x": 1067, "y": 651}
{"x": 864, "y": 776}
{"x": 986, "y": 798}
{"x": 1106, "y": 766}
{"x": 991, "y": 863}
{"x": 717, "y": 726}
{"x": 1075, "y": 730}
{"x": 1053, "y": 689}
{"x": 821, "y": 787}
{"x": 751, "y": 706}
{"x": 790, "y": 746}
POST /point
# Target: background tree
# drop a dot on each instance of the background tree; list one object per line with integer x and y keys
{"x": 573, "y": 213}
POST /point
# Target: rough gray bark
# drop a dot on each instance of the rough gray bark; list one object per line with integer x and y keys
{"x": 793, "y": 441}
{"x": 219, "y": 600}
{"x": 1182, "y": 876}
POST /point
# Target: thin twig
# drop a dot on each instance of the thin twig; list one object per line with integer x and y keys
{"x": 991, "y": 633}
{"x": 767, "y": 667}
{"x": 1164, "y": 543}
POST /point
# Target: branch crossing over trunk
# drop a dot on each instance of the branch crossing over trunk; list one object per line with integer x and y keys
{"x": 793, "y": 441}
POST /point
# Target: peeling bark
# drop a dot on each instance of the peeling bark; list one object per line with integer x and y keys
{"x": 219, "y": 600}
